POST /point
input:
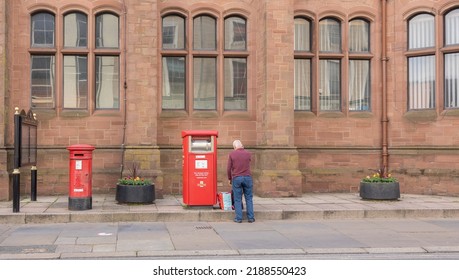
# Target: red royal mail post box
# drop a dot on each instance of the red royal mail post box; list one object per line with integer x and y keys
{"x": 200, "y": 167}
{"x": 80, "y": 182}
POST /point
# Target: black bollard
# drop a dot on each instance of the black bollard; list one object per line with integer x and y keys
{"x": 33, "y": 183}
{"x": 16, "y": 190}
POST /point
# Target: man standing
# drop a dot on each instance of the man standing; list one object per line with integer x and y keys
{"x": 240, "y": 178}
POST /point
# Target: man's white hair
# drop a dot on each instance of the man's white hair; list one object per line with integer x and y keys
{"x": 237, "y": 144}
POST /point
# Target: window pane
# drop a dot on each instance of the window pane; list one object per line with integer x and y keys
{"x": 173, "y": 83}
{"x": 302, "y": 84}
{"x": 75, "y": 81}
{"x": 107, "y": 35}
{"x": 452, "y": 80}
{"x": 173, "y": 32}
{"x": 43, "y": 30}
{"x": 42, "y": 81}
{"x": 359, "y": 85}
{"x": 75, "y": 30}
{"x": 107, "y": 82}
{"x": 235, "y": 83}
{"x": 204, "y": 33}
{"x": 235, "y": 33}
{"x": 421, "y": 82}
{"x": 421, "y": 32}
{"x": 302, "y": 34}
{"x": 330, "y": 85}
{"x": 452, "y": 28}
{"x": 205, "y": 84}
{"x": 359, "y": 34}
{"x": 330, "y": 35}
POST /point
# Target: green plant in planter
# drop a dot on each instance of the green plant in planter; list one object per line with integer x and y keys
{"x": 134, "y": 178}
{"x": 380, "y": 177}
{"x": 134, "y": 181}
{"x": 134, "y": 188}
{"x": 381, "y": 185}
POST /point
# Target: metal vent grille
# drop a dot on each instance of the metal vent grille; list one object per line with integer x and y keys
{"x": 203, "y": 227}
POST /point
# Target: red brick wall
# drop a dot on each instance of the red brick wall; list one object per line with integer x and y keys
{"x": 423, "y": 145}
{"x": 294, "y": 152}
{"x": 4, "y": 172}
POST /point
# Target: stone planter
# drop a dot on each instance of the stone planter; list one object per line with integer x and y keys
{"x": 135, "y": 193}
{"x": 383, "y": 191}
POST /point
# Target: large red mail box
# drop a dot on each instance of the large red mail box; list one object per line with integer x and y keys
{"x": 199, "y": 167}
{"x": 80, "y": 180}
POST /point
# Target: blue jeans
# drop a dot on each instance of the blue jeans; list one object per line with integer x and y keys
{"x": 243, "y": 185}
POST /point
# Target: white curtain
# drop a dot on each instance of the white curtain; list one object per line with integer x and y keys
{"x": 421, "y": 69}
{"x": 421, "y": 78}
{"x": 421, "y": 32}
{"x": 359, "y": 31}
{"x": 330, "y": 85}
{"x": 452, "y": 28}
{"x": 302, "y": 84}
{"x": 359, "y": 84}
{"x": 330, "y": 80}
{"x": 452, "y": 60}
{"x": 302, "y": 35}
{"x": 452, "y": 80}
{"x": 330, "y": 36}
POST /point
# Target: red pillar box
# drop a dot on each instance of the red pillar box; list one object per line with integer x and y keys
{"x": 199, "y": 167}
{"x": 80, "y": 181}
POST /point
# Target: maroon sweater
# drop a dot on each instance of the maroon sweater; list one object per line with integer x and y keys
{"x": 238, "y": 163}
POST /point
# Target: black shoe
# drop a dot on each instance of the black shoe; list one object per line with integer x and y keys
{"x": 251, "y": 220}
{"x": 237, "y": 221}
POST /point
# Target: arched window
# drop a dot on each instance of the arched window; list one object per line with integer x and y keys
{"x": 235, "y": 64}
{"x": 206, "y": 61}
{"x": 43, "y": 60}
{"x": 451, "y": 74}
{"x": 107, "y": 65}
{"x": 329, "y": 66}
{"x": 173, "y": 65}
{"x": 359, "y": 66}
{"x": 303, "y": 57}
{"x": 73, "y": 81}
{"x": 421, "y": 67}
{"x": 75, "y": 73}
{"x": 43, "y": 30}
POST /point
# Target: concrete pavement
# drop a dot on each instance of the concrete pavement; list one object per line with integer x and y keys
{"x": 54, "y": 209}
{"x": 298, "y": 239}
{"x": 307, "y": 225}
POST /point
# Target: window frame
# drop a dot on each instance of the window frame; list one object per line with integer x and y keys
{"x": 449, "y": 50}
{"x": 108, "y": 51}
{"x": 202, "y": 54}
{"x": 418, "y": 52}
{"x": 360, "y": 56}
{"x": 75, "y": 51}
{"x": 341, "y": 55}
{"x": 32, "y": 30}
{"x": 43, "y": 50}
{"x": 308, "y": 55}
{"x": 189, "y": 53}
{"x": 59, "y": 51}
{"x": 52, "y": 78}
{"x": 233, "y": 55}
{"x": 330, "y": 55}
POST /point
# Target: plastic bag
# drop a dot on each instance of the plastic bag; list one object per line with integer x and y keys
{"x": 224, "y": 199}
